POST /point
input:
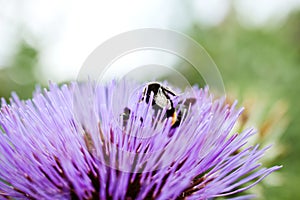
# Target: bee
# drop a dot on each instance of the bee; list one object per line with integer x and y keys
{"x": 162, "y": 99}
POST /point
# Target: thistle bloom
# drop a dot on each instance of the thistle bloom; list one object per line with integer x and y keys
{"x": 76, "y": 142}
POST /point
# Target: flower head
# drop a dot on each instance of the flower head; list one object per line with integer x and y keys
{"x": 86, "y": 141}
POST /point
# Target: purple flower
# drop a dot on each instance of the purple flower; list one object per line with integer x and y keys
{"x": 87, "y": 141}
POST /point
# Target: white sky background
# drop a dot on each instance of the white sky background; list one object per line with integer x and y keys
{"x": 68, "y": 31}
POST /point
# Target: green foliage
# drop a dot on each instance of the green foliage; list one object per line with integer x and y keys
{"x": 19, "y": 75}
{"x": 265, "y": 60}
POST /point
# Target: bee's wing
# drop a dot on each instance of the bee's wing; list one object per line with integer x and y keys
{"x": 181, "y": 110}
{"x": 189, "y": 101}
{"x": 186, "y": 103}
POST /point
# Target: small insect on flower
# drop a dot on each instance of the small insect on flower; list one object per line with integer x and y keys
{"x": 163, "y": 98}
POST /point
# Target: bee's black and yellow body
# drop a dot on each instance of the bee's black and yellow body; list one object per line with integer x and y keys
{"x": 162, "y": 98}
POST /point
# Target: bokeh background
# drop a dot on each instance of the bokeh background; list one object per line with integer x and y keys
{"x": 255, "y": 44}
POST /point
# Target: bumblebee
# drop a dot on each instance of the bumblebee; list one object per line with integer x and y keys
{"x": 162, "y": 99}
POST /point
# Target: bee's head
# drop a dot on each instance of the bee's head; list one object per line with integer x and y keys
{"x": 150, "y": 88}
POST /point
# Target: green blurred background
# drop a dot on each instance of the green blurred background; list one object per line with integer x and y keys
{"x": 262, "y": 59}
